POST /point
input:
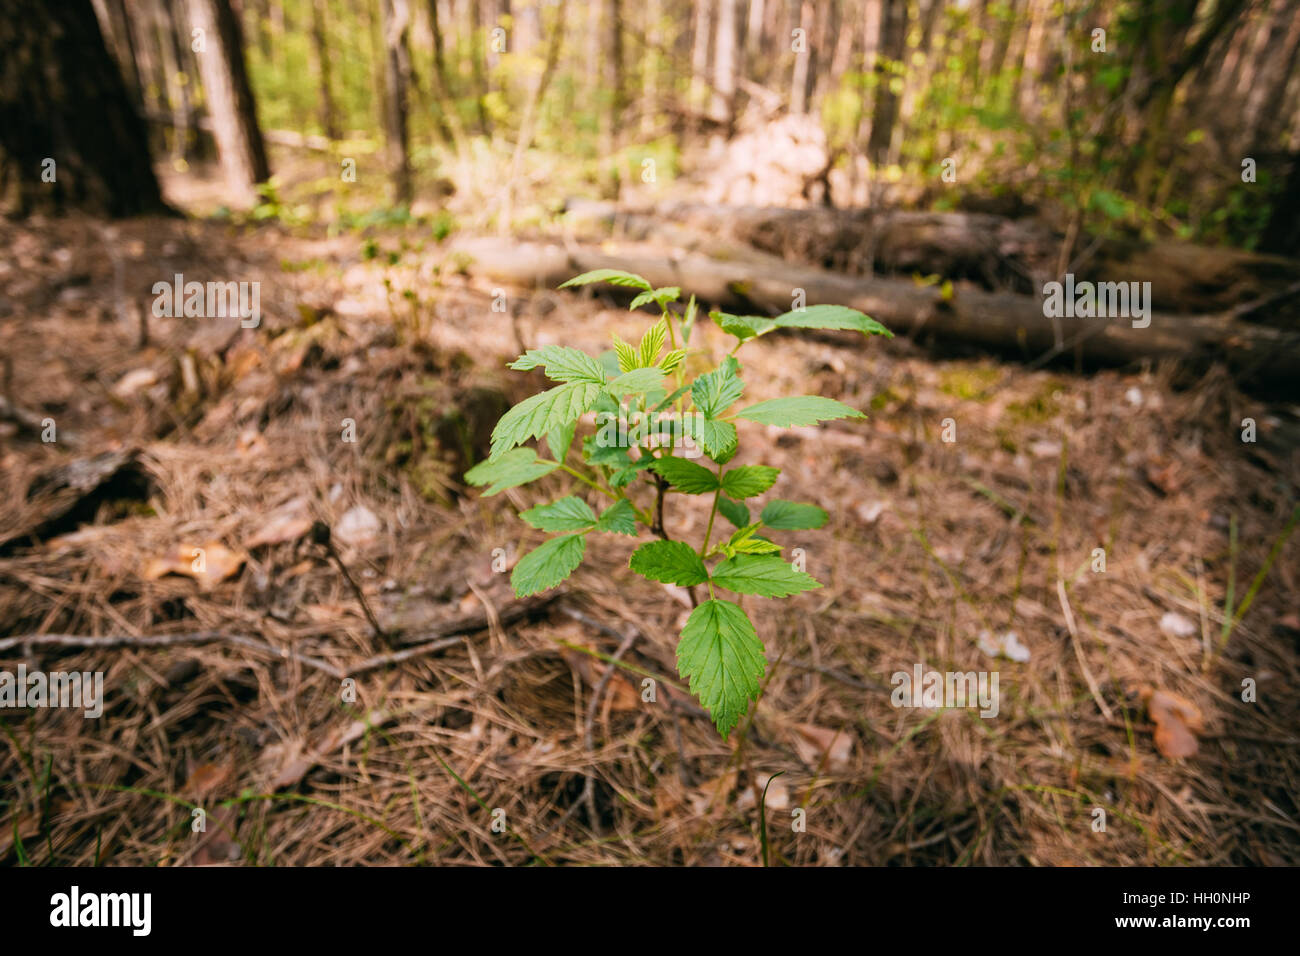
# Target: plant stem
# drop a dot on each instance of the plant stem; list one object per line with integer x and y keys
{"x": 713, "y": 513}
{"x": 581, "y": 477}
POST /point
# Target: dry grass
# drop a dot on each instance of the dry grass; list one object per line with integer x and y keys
{"x": 930, "y": 544}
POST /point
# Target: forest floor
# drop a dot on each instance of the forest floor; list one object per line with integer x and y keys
{"x": 232, "y": 440}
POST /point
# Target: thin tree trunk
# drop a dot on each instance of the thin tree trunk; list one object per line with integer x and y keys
{"x": 329, "y": 122}
{"x": 650, "y": 67}
{"x": 477, "y": 55}
{"x": 229, "y": 98}
{"x": 799, "y": 77}
{"x": 1263, "y": 114}
{"x": 115, "y": 24}
{"x": 700, "y": 52}
{"x": 528, "y": 124}
{"x": 178, "y": 94}
{"x": 397, "y": 75}
{"x": 449, "y": 124}
{"x": 889, "y": 61}
{"x": 1032, "y": 63}
{"x": 724, "y": 65}
{"x": 144, "y": 45}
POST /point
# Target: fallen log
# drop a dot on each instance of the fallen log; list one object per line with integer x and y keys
{"x": 1256, "y": 353}
{"x": 997, "y": 253}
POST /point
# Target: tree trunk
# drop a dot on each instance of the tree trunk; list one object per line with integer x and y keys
{"x": 397, "y": 76}
{"x": 230, "y": 98}
{"x": 55, "y": 72}
{"x": 178, "y": 92}
{"x": 650, "y": 67}
{"x": 449, "y": 125}
{"x": 701, "y": 35}
{"x": 329, "y": 122}
{"x": 724, "y": 65}
{"x": 1264, "y": 111}
{"x": 889, "y": 63}
{"x": 614, "y": 69}
{"x": 115, "y": 24}
{"x": 801, "y": 72}
{"x": 477, "y": 58}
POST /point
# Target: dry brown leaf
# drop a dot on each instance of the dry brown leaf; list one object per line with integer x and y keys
{"x": 812, "y": 743}
{"x": 209, "y": 564}
{"x": 289, "y": 522}
{"x": 1177, "y": 721}
{"x": 206, "y": 778}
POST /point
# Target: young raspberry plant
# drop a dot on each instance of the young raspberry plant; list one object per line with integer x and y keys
{"x": 649, "y": 423}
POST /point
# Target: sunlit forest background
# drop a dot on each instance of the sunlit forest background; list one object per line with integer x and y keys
{"x": 1142, "y": 128}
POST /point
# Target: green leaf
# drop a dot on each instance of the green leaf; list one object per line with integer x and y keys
{"x": 718, "y": 439}
{"x": 567, "y": 514}
{"x": 733, "y": 511}
{"x": 792, "y": 516}
{"x": 660, "y": 296}
{"x": 666, "y": 294}
{"x": 763, "y": 574}
{"x": 543, "y": 412}
{"x": 749, "y": 480}
{"x": 752, "y": 544}
{"x": 618, "y": 518}
{"x": 624, "y": 476}
{"x": 672, "y": 360}
{"x": 610, "y": 455}
{"x": 626, "y": 355}
{"x": 612, "y": 276}
{"x": 831, "y": 317}
{"x": 799, "y": 410}
{"x": 744, "y": 541}
{"x": 516, "y": 467}
{"x": 721, "y": 657}
{"x": 673, "y": 562}
{"x": 743, "y": 327}
{"x": 636, "y": 381}
{"x": 647, "y": 352}
{"x": 559, "y": 439}
{"x": 686, "y": 476}
{"x": 609, "y": 362}
{"x": 688, "y": 320}
{"x": 673, "y": 397}
{"x": 715, "y": 391}
{"x": 562, "y": 364}
{"x": 548, "y": 564}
